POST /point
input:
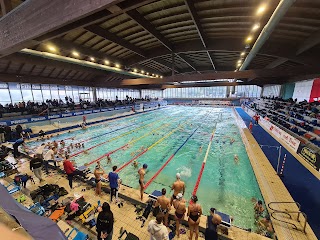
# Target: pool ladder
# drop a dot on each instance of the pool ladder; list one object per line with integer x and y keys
{"x": 288, "y": 213}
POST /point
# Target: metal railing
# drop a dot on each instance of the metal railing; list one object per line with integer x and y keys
{"x": 288, "y": 213}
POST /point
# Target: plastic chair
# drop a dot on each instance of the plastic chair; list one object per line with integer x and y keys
{"x": 37, "y": 209}
{"x": 79, "y": 235}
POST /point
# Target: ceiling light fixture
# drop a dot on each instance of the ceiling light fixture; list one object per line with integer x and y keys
{"x": 249, "y": 39}
{"x": 92, "y": 59}
{"x": 242, "y": 54}
{"x": 135, "y": 70}
{"x": 142, "y": 72}
{"x": 117, "y": 65}
{"x": 76, "y": 54}
{"x": 255, "y": 27}
{"x": 261, "y": 9}
{"x": 52, "y": 48}
{"x": 106, "y": 62}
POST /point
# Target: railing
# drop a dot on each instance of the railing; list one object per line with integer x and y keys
{"x": 287, "y": 212}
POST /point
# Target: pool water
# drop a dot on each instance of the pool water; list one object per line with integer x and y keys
{"x": 153, "y": 137}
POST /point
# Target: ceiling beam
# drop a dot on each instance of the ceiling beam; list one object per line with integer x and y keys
{"x": 69, "y": 46}
{"x": 34, "y": 60}
{"x": 232, "y": 45}
{"x": 104, "y": 33}
{"x": 46, "y": 16}
{"x": 6, "y": 6}
{"x": 165, "y": 64}
{"x": 246, "y": 74}
{"x": 276, "y": 63}
{"x": 310, "y": 42}
{"x": 196, "y": 20}
{"x": 187, "y": 61}
{"x": 43, "y": 80}
{"x": 136, "y": 16}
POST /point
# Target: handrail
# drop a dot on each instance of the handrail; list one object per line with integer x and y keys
{"x": 288, "y": 213}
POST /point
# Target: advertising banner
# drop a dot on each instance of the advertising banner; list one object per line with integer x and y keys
{"x": 310, "y": 156}
{"x": 69, "y": 114}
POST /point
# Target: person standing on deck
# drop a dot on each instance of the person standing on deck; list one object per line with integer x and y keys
{"x": 250, "y": 127}
{"x": 97, "y": 174}
{"x": 142, "y": 172}
{"x": 178, "y": 187}
{"x": 164, "y": 205}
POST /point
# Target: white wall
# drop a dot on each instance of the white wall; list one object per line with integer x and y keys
{"x": 302, "y": 90}
{"x": 271, "y": 91}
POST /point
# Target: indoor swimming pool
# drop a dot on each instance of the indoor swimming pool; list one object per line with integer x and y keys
{"x": 176, "y": 139}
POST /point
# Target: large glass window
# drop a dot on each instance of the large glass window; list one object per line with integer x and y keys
{"x": 4, "y": 93}
{"x": 46, "y": 93}
{"x": 36, "y": 92}
{"x": 62, "y": 93}
{"x": 69, "y": 93}
{"x": 15, "y": 92}
{"x": 75, "y": 93}
{"x": 26, "y": 92}
{"x": 54, "y": 92}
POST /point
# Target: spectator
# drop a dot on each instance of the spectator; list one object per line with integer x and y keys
{"x": 2, "y": 138}
{"x": 35, "y": 167}
{"x": 70, "y": 170}
{"x": 49, "y": 156}
{"x": 157, "y": 230}
{"x": 19, "y": 130}
{"x": 105, "y": 223}
{"x": 16, "y": 145}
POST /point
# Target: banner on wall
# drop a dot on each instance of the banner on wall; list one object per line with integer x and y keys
{"x": 290, "y": 141}
{"x": 310, "y": 156}
{"x": 70, "y": 114}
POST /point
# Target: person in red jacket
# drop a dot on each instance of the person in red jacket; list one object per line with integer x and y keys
{"x": 71, "y": 170}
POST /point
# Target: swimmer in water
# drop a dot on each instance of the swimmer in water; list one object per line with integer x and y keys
{"x": 135, "y": 164}
{"x": 200, "y": 149}
{"x": 232, "y": 140}
{"x": 71, "y": 146}
{"x": 108, "y": 159}
{"x": 82, "y": 145}
{"x": 142, "y": 172}
{"x": 236, "y": 158}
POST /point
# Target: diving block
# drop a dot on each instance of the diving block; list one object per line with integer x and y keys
{"x": 225, "y": 218}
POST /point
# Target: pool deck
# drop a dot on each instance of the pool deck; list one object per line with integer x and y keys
{"x": 273, "y": 190}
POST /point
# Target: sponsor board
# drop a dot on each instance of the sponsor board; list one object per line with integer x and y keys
{"x": 310, "y": 156}
{"x": 63, "y": 115}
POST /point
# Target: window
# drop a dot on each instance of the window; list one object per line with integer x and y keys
{"x": 54, "y": 92}
{"x": 69, "y": 93}
{"x": 62, "y": 93}
{"x": 46, "y": 93}
{"x": 26, "y": 92}
{"x": 15, "y": 92}
{"x": 36, "y": 92}
{"x": 4, "y": 93}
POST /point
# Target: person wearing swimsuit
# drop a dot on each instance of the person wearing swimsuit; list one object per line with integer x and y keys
{"x": 180, "y": 206}
{"x": 142, "y": 172}
{"x": 194, "y": 213}
{"x": 97, "y": 174}
{"x": 164, "y": 205}
{"x": 178, "y": 187}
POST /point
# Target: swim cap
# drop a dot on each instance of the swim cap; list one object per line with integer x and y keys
{"x": 179, "y": 196}
{"x": 145, "y": 165}
{"x": 178, "y": 175}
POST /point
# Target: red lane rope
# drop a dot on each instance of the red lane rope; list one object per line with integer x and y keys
{"x": 106, "y": 154}
{"x": 199, "y": 179}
